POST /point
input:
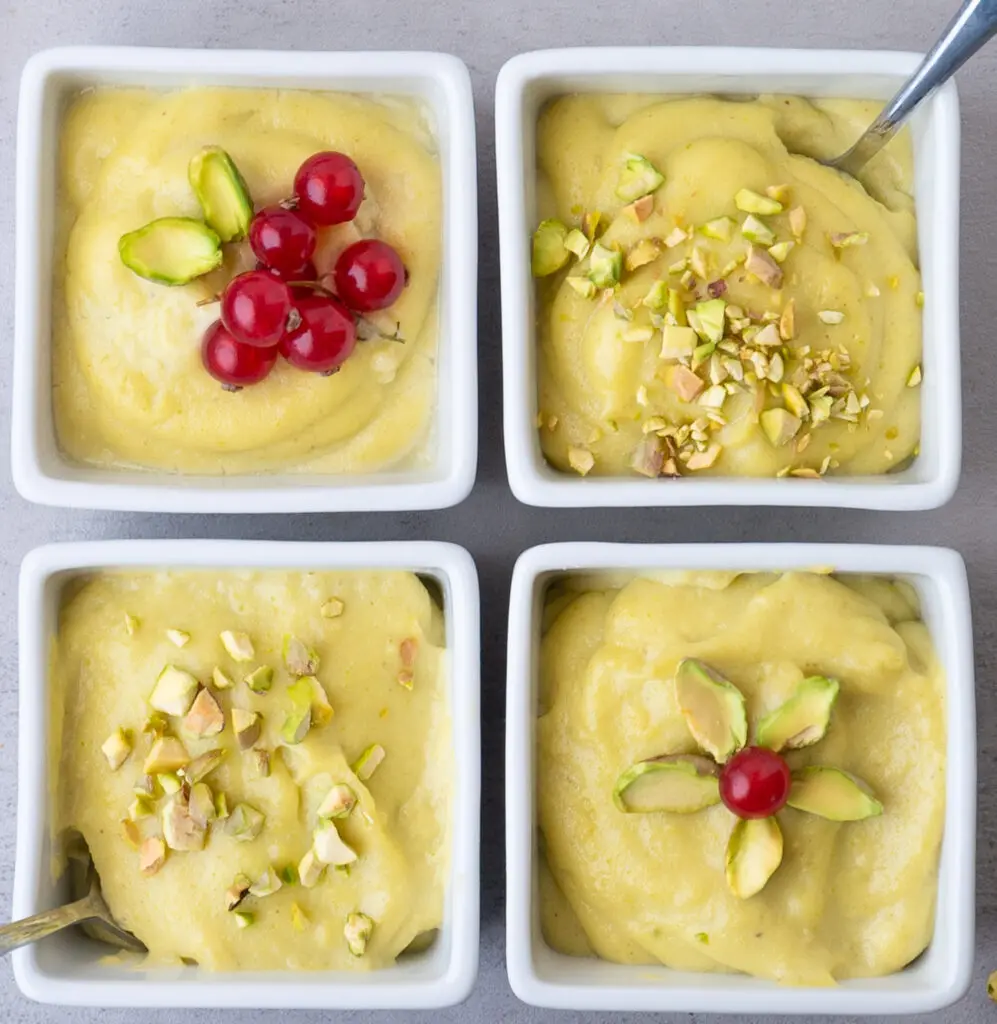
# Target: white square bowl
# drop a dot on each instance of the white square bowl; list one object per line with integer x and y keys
{"x": 42, "y": 474}
{"x": 526, "y": 82}
{"x": 65, "y": 968}
{"x": 543, "y": 977}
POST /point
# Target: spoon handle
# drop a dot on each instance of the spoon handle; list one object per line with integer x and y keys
{"x": 974, "y": 24}
{"x": 31, "y": 929}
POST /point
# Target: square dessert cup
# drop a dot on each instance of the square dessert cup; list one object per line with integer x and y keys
{"x": 526, "y": 82}
{"x": 43, "y": 474}
{"x": 67, "y": 969}
{"x": 937, "y": 978}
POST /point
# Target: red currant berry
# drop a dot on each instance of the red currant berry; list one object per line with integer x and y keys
{"x": 369, "y": 275}
{"x": 324, "y": 339}
{"x": 754, "y": 783}
{"x": 282, "y": 239}
{"x": 255, "y": 308}
{"x": 230, "y": 362}
{"x": 329, "y": 188}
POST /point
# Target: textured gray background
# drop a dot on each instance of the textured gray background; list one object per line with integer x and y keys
{"x": 491, "y": 523}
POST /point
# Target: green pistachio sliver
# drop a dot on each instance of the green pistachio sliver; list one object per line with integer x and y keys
{"x": 583, "y": 286}
{"x": 357, "y": 931}
{"x": 368, "y": 762}
{"x": 132, "y": 624}
{"x": 222, "y": 193}
{"x": 260, "y": 679}
{"x": 238, "y": 645}
{"x": 639, "y": 177}
{"x": 549, "y": 252}
{"x": 333, "y": 608}
{"x": 605, "y": 266}
{"x": 576, "y": 242}
{"x": 915, "y": 377}
{"x": 748, "y": 201}
{"x": 116, "y": 748}
{"x": 830, "y": 316}
{"x": 171, "y": 250}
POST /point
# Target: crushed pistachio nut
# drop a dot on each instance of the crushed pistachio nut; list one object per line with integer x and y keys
{"x": 368, "y": 762}
{"x": 221, "y": 806}
{"x": 261, "y": 762}
{"x": 174, "y": 691}
{"x": 140, "y": 807}
{"x": 649, "y": 456}
{"x": 590, "y": 224}
{"x": 787, "y": 322}
{"x": 243, "y": 918}
{"x": 848, "y": 239}
{"x": 722, "y": 228}
{"x": 329, "y": 847}
{"x": 780, "y": 193}
{"x": 247, "y": 726}
{"x": 205, "y": 717}
{"x": 178, "y": 637}
{"x": 686, "y": 384}
{"x": 915, "y": 376}
{"x": 238, "y": 645}
{"x": 761, "y": 264}
{"x": 151, "y": 855}
{"x": 266, "y": 885}
{"x": 549, "y": 253}
{"x": 577, "y": 243}
{"x": 237, "y": 891}
{"x": 310, "y": 870}
{"x": 605, "y": 266}
{"x": 675, "y": 237}
{"x": 338, "y": 802}
{"x": 358, "y": 930}
{"x": 780, "y": 251}
{"x": 581, "y": 460}
{"x": 300, "y": 659}
{"x": 116, "y": 748}
{"x": 297, "y": 722}
{"x": 585, "y": 288}
{"x": 645, "y": 251}
{"x": 780, "y": 426}
{"x": 333, "y": 608}
{"x": 639, "y": 177}
{"x": 260, "y": 679}
{"x": 166, "y": 754}
{"x": 704, "y": 459}
{"x": 245, "y": 823}
{"x": 132, "y": 624}
{"x": 640, "y": 210}
{"x": 830, "y": 316}
{"x": 751, "y": 202}
{"x": 299, "y": 919}
{"x": 169, "y": 782}
{"x": 222, "y": 680}
{"x": 797, "y": 221}
{"x": 755, "y": 230}
{"x": 203, "y": 765}
{"x": 181, "y": 830}
{"x": 767, "y": 337}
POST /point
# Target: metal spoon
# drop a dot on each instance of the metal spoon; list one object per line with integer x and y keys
{"x": 89, "y": 910}
{"x": 974, "y": 25}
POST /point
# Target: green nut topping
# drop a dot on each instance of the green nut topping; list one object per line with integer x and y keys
{"x": 680, "y": 783}
{"x": 639, "y": 177}
{"x": 357, "y": 932}
{"x": 338, "y": 802}
{"x": 751, "y": 202}
{"x": 260, "y": 679}
{"x": 245, "y": 823}
{"x": 116, "y": 748}
{"x": 605, "y": 266}
{"x": 238, "y": 645}
{"x": 833, "y": 794}
{"x": 300, "y": 659}
{"x": 368, "y": 762}
{"x": 222, "y": 193}
{"x": 549, "y": 251}
{"x": 174, "y": 691}
{"x": 754, "y": 851}
{"x": 803, "y": 719}
{"x": 713, "y": 709}
{"x": 171, "y": 250}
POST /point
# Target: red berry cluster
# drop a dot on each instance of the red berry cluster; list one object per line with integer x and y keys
{"x": 264, "y": 314}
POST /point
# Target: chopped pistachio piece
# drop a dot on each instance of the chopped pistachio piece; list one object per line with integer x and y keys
{"x": 288, "y": 874}
{"x": 677, "y": 342}
{"x": 266, "y": 885}
{"x": 914, "y": 378}
{"x": 797, "y": 221}
{"x": 721, "y": 229}
{"x": 221, "y": 806}
{"x": 329, "y": 846}
{"x": 202, "y": 804}
{"x": 803, "y": 719}
{"x": 178, "y": 637}
{"x": 180, "y": 829}
{"x": 713, "y": 397}
{"x": 680, "y": 783}
{"x": 767, "y": 337}
{"x": 310, "y": 870}
{"x": 649, "y": 457}
{"x": 237, "y": 891}
{"x": 581, "y": 460}
{"x": 166, "y": 754}
{"x": 748, "y": 201}
{"x": 174, "y": 691}
{"x": 297, "y": 724}
{"x": 795, "y": 402}
{"x": 639, "y": 177}
{"x": 640, "y": 209}
{"x": 169, "y": 783}
{"x": 238, "y": 645}
{"x": 333, "y": 608}
{"x": 368, "y": 762}
{"x": 245, "y": 822}
{"x": 338, "y": 802}
{"x": 247, "y": 726}
{"x": 140, "y": 807}
{"x": 549, "y": 252}
{"x": 780, "y": 193}
{"x": 222, "y": 193}
{"x": 830, "y": 316}
{"x": 151, "y": 855}
{"x": 203, "y": 765}
{"x": 645, "y": 251}
{"x": 638, "y": 334}
{"x": 848, "y": 239}
{"x": 116, "y": 748}
{"x": 130, "y": 833}
{"x": 145, "y": 786}
{"x": 780, "y": 426}
{"x": 299, "y": 919}
{"x": 833, "y": 794}
{"x": 156, "y": 724}
{"x": 243, "y": 918}
{"x": 221, "y": 680}
{"x": 357, "y": 932}
{"x": 300, "y": 659}
{"x": 583, "y": 286}
{"x": 787, "y": 322}
{"x": 605, "y": 266}
{"x": 576, "y": 242}
{"x": 780, "y": 251}
{"x": 171, "y": 250}
{"x": 754, "y": 851}
{"x": 590, "y": 224}
{"x": 205, "y": 717}
{"x": 676, "y": 307}
{"x": 261, "y": 762}
{"x": 657, "y": 296}
{"x": 761, "y": 264}
{"x": 709, "y": 319}
{"x": 260, "y": 679}
{"x": 713, "y": 709}
{"x": 686, "y": 384}
{"x": 132, "y": 624}
{"x": 704, "y": 460}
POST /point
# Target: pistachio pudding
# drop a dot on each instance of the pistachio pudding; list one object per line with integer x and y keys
{"x": 259, "y": 762}
{"x": 713, "y": 300}
{"x": 740, "y": 772}
{"x": 246, "y": 282}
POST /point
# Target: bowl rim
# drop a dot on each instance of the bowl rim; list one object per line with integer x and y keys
{"x": 531, "y": 479}
{"x": 157, "y": 490}
{"x": 944, "y": 571}
{"x": 283, "y": 989}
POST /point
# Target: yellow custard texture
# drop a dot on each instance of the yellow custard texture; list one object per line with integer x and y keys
{"x": 849, "y": 900}
{"x": 128, "y": 385}
{"x": 613, "y": 396}
{"x": 103, "y": 676}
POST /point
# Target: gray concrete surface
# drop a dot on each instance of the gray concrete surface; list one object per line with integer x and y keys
{"x": 491, "y": 523}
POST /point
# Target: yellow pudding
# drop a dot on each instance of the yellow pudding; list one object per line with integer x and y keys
{"x": 712, "y": 300}
{"x": 849, "y": 898}
{"x": 317, "y": 837}
{"x": 129, "y": 389}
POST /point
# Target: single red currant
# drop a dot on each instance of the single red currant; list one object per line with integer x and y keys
{"x": 755, "y": 783}
{"x": 282, "y": 240}
{"x": 329, "y": 188}
{"x": 255, "y": 308}
{"x": 324, "y": 339}
{"x": 230, "y": 362}
{"x": 369, "y": 275}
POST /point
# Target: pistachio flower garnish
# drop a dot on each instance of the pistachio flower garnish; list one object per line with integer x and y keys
{"x": 753, "y": 782}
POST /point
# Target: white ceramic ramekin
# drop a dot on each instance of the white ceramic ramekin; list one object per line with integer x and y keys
{"x": 540, "y": 976}
{"x": 43, "y": 475}
{"x": 527, "y": 81}
{"x": 65, "y": 968}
